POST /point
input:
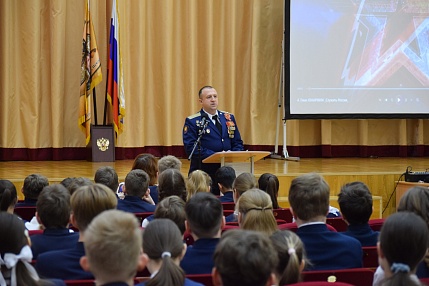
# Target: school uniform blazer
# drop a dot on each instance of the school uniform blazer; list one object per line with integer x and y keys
{"x": 53, "y": 239}
{"x": 199, "y": 257}
{"x": 363, "y": 233}
{"x": 27, "y": 203}
{"x": 63, "y": 264}
{"x": 227, "y": 198}
{"x": 133, "y": 204}
{"x": 154, "y": 194}
{"x": 329, "y": 250}
{"x": 212, "y": 140}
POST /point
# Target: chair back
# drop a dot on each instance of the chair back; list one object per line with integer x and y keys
{"x": 228, "y": 206}
{"x": 88, "y": 282}
{"x": 26, "y": 213}
{"x": 142, "y": 216}
{"x": 376, "y": 224}
{"x": 370, "y": 257}
{"x": 338, "y": 223}
{"x": 354, "y": 276}
{"x": 284, "y": 214}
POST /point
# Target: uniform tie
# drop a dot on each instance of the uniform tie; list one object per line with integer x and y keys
{"x": 217, "y": 123}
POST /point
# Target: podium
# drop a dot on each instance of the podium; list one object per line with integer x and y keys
{"x": 402, "y": 187}
{"x": 102, "y": 144}
{"x": 237, "y": 157}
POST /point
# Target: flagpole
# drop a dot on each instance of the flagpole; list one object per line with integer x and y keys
{"x": 105, "y": 100}
{"x": 94, "y": 94}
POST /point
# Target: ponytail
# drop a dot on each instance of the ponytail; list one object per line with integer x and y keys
{"x": 170, "y": 274}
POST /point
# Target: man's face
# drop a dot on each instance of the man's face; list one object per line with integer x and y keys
{"x": 208, "y": 100}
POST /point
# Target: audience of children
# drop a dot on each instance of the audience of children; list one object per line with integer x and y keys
{"x": 244, "y": 258}
{"x": 403, "y": 244}
{"x": 291, "y": 253}
{"x": 198, "y": 181}
{"x": 255, "y": 212}
{"x": 53, "y": 214}
{"x": 204, "y": 221}
{"x": 172, "y": 208}
{"x": 86, "y": 203}
{"x": 8, "y": 196}
{"x": 137, "y": 195}
{"x": 164, "y": 248}
{"x": 33, "y": 186}
{"x": 107, "y": 176}
{"x": 309, "y": 203}
{"x": 269, "y": 183}
{"x": 113, "y": 248}
{"x": 225, "y": 177}
{"x": 355, "y": 202}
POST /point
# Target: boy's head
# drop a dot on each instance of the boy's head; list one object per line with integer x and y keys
{"x": 172, "y": 208}
{"x": 169, "y": 162}
{"x": 78, "y": 182}
{"x": 107, "y": 176}
{"x": 136, "y": 183}
{"x": 204, "y": 215}
{"x": 309, "y": 197}
{"x": 225, "y": 177}
{"x": 33, "y": 186}
{"x": 355, "y": 202}
{"x": 244, "y": 257}
{"x": 113, "y": 247}
{"x": 89, "y": 201}
{"x": 53, "y": 207}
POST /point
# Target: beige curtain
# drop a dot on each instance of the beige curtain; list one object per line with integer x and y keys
{"x": 170, "y": 48}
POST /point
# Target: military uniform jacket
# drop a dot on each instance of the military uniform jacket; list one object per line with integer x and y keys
{"x": 212, "y": 140}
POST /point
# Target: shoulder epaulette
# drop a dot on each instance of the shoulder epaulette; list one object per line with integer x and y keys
{"x": 223, "y": 112}
{"x": 194, "y": 115}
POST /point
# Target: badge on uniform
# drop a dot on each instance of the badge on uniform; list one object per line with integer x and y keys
{"x": 185, "y": 129}
{"x": 207, "y": 130}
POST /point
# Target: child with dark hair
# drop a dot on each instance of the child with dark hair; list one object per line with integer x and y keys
{"x": 8, "y": 196}
{"x": 107, "y": 176}
{"x": 403, "y": 244}
{"x": 163, "y": 245}
{"x": 225, "y": 177}
{"x": 53, "y": 213}
{"x": 148, "y": 163}
{"x": 137, "y": 195}
{"x": 171, "y": 183}
{"x": 16, "y": 256}
{"x": 269, "y": 183}
{"x": 204, "y": 220}
{"x": 172, "y": 208}
{"x": 355, "y": 202}
{"x": 33, "y": 186}
{"x": 245, "y": 258}
{"x": 291, "y": 254}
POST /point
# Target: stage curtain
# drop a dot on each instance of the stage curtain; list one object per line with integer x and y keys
{"x": 170, "y": 49}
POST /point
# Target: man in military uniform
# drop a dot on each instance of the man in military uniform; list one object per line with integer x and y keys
{"x": 219, "y": 133}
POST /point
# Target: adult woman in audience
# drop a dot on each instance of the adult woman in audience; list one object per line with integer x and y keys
{"x": 198, "y": 181}
{"x": 403, "y": 244}
{"x": 148, "y": 163}
{"x": 243, "y": 182}
{"x": 255, "y": 212}
{"x": 171, "y": 183}
{"x": 415, "y": 200}
{"x": 16, "y": 255}
{"x": 8, "y": 196}
{"x": 291, "y": 254}
{"x": 269, "y": 183}
{"x": 163, "y": 245}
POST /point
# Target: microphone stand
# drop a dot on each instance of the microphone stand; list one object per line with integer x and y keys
{"x": 198, "y": 143}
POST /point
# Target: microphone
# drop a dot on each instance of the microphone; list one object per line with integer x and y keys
{"x": 204, "y": 119}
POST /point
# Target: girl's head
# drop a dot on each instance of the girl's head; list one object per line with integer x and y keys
{"x": 269, "y": 183}
{"x": 402, "y": 245}
{"x": 255, "y": 212}
{"x": 163, "y": 244}
{"x": 8, "y": 196}
{"x": 149, "y": 164}
{"x": 171, "y": 183}
{"x": 291, "y": 254}
{"x": 243, "y": 182}
{"x": 416, "y": 200}
{"x": 14, "y": 241}
{"x": 198, "y": 181}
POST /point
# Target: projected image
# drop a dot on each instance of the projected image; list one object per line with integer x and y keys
{"x": 359, "y": 56}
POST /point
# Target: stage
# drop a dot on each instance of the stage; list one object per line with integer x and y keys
{"x": 380, "y": 174}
